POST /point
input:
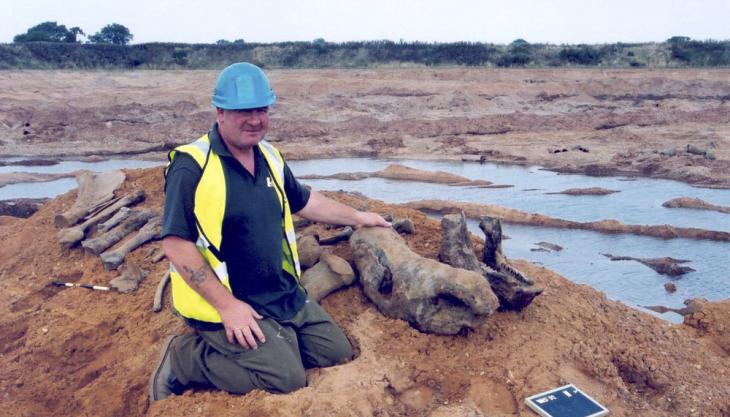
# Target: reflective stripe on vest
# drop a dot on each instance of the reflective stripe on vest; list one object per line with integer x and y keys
{"x": 209, "y": 209}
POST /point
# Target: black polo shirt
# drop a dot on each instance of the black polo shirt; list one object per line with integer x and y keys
{"x": 252, "y": 228}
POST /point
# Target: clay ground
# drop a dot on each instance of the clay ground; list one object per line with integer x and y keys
{"x": 74, "y": 352}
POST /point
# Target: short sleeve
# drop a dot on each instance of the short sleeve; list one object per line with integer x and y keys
{"x": 296, "y": 193}
{"x": 181, "y": 181}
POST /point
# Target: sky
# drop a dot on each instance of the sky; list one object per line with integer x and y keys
{"x": 537, "y": 21}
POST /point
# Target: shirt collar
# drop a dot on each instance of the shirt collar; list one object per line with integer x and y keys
{"x": 216, "y": 143}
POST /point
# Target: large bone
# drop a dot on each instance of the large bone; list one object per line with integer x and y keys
{"x": 99, "y": 244}
{"x": 95, "y": 190}
{"x": 327, "y": 276}
{"x": 117, "y": 218}
{"x": 431, "y": 296}
{"x": 113, "y": 258}
{"x": 73, "y": 235}
{"x": 514, "y": 289}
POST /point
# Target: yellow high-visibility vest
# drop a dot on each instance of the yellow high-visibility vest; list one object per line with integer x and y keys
{"x": 209, "y": 208}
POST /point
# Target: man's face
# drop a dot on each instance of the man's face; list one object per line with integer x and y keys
{"x": 242, "y": 129}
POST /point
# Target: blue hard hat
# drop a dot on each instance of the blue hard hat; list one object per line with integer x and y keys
{"x": 243, "y": 86}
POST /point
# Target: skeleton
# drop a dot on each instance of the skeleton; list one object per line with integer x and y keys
{"x": 73, "y": 235}
{"x": 151, "y": 230}
{"x": 432, "y": 296}
{"x": 95, "y": 190}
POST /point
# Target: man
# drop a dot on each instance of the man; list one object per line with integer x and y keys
{"x": 229, "y": 236}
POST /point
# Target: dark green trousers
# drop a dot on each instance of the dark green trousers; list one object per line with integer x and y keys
{"x": 309, "y": 339}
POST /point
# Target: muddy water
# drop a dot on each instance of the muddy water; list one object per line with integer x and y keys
{"x": 637, "y": 202}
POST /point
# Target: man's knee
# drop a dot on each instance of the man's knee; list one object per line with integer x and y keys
{"x": 342, "y": 352}
{"x": 335, "y": 353}
{"x": 284, "y": 381}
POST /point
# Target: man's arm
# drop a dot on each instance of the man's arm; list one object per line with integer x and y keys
{"x": 324, "y": 210}
{"x": 238, "y": 317}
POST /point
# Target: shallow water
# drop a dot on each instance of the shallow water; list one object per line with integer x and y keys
{"x": 53, "y": 188}
{"x": 638, "y": 202}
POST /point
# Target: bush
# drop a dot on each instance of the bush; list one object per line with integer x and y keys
{"x": 581, "y": 55}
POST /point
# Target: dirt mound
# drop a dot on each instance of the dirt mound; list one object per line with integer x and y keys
{"x": 403, "y": 173}
{"x": 71, "y": 351}
{"x": 694, "y": 203}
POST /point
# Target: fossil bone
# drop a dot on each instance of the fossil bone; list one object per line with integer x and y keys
{"x": 117, "y": 218}
{"x": 129, "y": 281}
{"x": 95, "y": 190}
{"x": 72, "y": 235}
{"x": 327, "y": 276}
{"x": 514, "y": 289}
{"x": 432, "y": 296}
{"x": 343, "y": 235}
{"x": 99, "y": 244}
{"x": 160, "y": 292}
{"x": 151, "y": 230}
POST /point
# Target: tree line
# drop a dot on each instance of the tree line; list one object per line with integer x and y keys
{"x": 50, "y": 45}
{"x": 112, "y": 34}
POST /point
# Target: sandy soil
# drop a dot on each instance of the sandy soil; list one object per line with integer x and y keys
{"x": 75, "y": 352}
{"x": 633, "y": 122}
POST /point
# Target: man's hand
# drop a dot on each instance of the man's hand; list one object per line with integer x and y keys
{"x": 239, "y": 320}
{"x": 370, "y": 219}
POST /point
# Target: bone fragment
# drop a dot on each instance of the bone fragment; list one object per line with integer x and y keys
{"x": 129, "y": 281}
{"x": 94, "y": 191}
{"x": 151, "y": 230}
{"x": 431, "y": 296}
{"x": 309, "y": 251}
{"x": 343, "y": 235}
{"x": 160, "y": 292}
{"x": 99, "y": 244}
{"x": 72, "y": 235}
{"x": 329, "y": 275}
